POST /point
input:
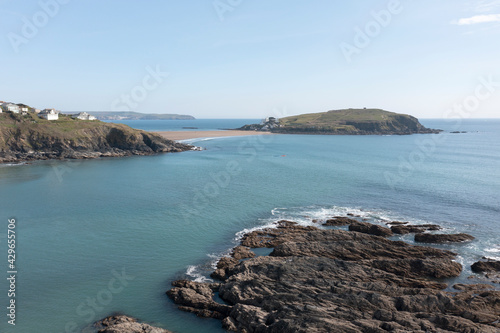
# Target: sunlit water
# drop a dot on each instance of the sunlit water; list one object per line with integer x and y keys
{"x": 153, "y": 219}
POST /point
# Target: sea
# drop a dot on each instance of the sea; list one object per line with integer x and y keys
{"x": 108, "y": 236}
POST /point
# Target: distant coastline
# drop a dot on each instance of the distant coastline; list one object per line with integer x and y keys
{"x": 130, "y": 115}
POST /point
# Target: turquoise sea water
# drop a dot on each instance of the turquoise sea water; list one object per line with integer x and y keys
{"x": 150, "y": 220}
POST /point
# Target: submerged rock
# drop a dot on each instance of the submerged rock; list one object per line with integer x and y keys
{"x": 125, "y": 324}
{"x": 443, "y": 238}
{"x": 414, "y": 229}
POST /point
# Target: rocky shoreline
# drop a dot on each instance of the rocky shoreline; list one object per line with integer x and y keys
{"x": 335, "y": 280}
{"x": 100, "y": 142}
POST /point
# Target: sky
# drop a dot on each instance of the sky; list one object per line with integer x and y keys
{"x": 253, "y": 59}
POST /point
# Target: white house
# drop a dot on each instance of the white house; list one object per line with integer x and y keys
{"x": 11, "y": 107}
{"x": 49, "y": 114}
{"x": 24, "y": 108}
{"x": 84, "y": 116}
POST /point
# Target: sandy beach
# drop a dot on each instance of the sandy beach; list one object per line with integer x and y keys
{"x": 186, "y": 135}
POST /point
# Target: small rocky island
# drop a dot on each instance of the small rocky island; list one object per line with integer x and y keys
{"x": 344, "y": 122}
{"x": 334, "y": 280}
{"x": 27, "y": 137}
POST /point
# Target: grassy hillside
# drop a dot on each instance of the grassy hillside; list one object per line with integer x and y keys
{"x": 28, "y": 137}
{"x": 347, "y": 121}
{"x": 339, "y": 117}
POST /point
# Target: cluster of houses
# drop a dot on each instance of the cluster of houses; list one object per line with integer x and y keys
{"x": 49, "y": 114}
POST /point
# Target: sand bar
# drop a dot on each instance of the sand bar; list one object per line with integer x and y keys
{"x": 186, "y": 135}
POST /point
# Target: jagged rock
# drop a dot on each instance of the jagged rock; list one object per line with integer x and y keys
{"x": 273, "y": 236}
{"x": 242, "y": 252}
{"x": 342, "y": 281}
{"x": 472, "y": 287}
{"x": 486, "y": 266}
{"x": 339, "y": 221}
{"x": 223, "y": 265}
{"x": 443, "y": 238}
{"x": 197, "y": 297}
{"x": 125, "y": 324}
{"x": 372, "y": 229}
{"x": 414, "y": 229}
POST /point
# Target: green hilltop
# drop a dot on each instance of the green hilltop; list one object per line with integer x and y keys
{"x": 28, "y": 137}
{"x": 346, "y": 121}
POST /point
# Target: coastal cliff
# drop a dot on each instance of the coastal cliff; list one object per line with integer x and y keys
{"x": 345, "y": 122}
{"x": 27, "y": 137}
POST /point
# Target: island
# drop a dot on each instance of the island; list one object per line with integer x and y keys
{"x": 27, "y": 136}
{"x": 344, "y": 122}
{"x": 130, "y": 115}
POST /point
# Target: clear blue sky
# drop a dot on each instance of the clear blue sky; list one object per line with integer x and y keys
{"x": 251, "y": 58}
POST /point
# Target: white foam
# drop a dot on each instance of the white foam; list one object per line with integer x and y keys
{"x": 493, "y": 249}
{"x": 193, "y": 272}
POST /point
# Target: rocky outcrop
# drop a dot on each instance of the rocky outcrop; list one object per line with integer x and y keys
{"x": 125, "y": 324}
{"x": 339, "y": 221}
{"x": 403, "y": 229}
{"x": 486, "y": 266}
{"x": 340, "y": 281}
{"x": 371, "y": 229}
{"x": 38, "y": 139}
{"x": 443, "y": 238}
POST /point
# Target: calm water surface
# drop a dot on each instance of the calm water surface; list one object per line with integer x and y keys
{"x": 150, "y": 220}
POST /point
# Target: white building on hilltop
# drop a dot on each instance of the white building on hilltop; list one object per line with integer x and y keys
{"x": 49, "y": 114}
{"x": 84, "y": 116}
{"x": 11, "y": 107}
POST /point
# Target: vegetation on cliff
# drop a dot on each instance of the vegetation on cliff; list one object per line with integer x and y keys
{"x": 348, "y": 121}
{"x": 27, "y": 137}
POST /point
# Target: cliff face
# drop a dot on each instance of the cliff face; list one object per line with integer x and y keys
{"x": 347, "y": 122}
{"x": 24, "y": 138}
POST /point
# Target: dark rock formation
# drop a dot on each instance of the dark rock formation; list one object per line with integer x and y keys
{"x": 242, "y": 252}
{"x": 486, "y": 266}
{"x": 340, "y": 281}
{"x": 371, "y": 229}
{"x": 443, "y": 238}
{"x": 339, "y": 221}
{"x": 125, "y": 324}
{"x": 414, "y": 229}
